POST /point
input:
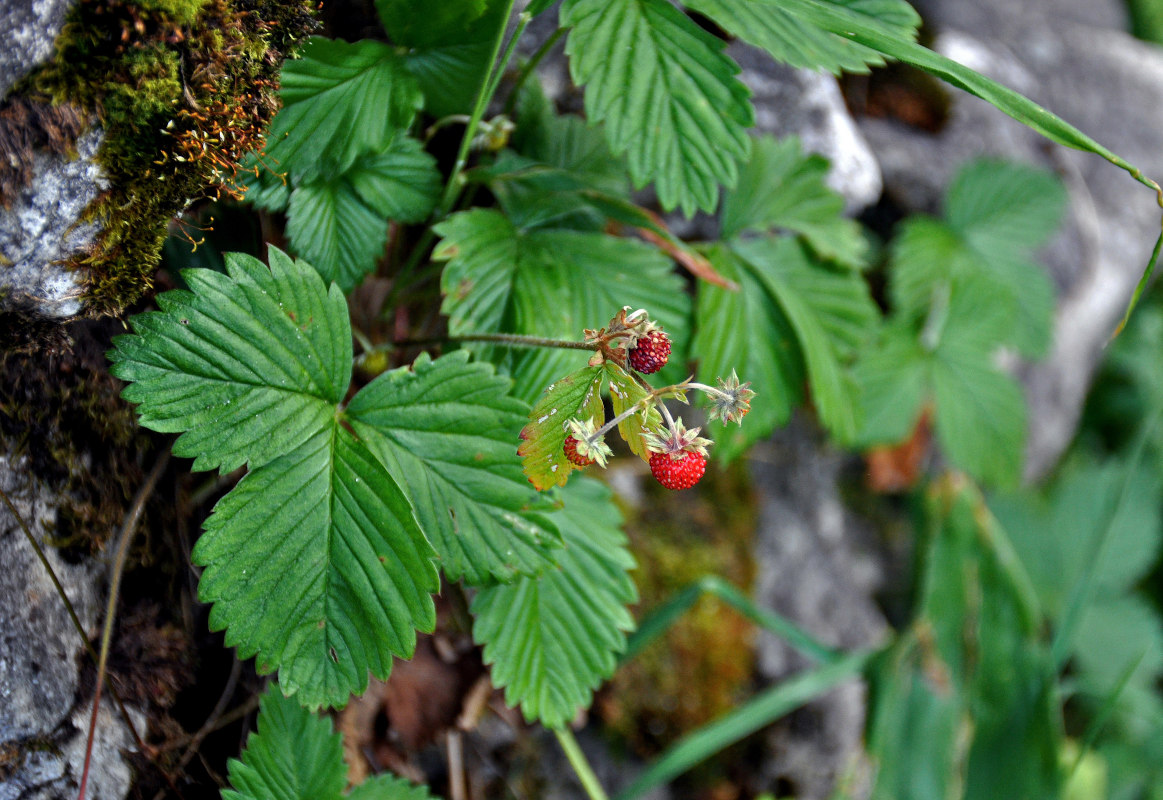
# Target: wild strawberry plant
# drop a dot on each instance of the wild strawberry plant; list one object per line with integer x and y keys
{"x": 322, "y": 561}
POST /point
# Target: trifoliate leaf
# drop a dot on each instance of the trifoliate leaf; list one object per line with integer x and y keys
{"x": 294, "y": 755}
{"x": 744, "y": 330}
{"x": 831, "y": 313}
{"x": 781, "y": 188}
{"x": 551, "y": 283}
{"x": 419, "y": 23}
{"x": 625, "y": 392}
{"x": 996, "y": 214}
{"x": 340, "y": 101}
{"x": 576, "y": 396}
{"x": 447, "y": 430}
{"x": 449, "y": 47}
{"x": 248, "y": 364}
{"x": 666, "y": 92}
{"x": 316, "y": 565}
{"x": 341, "y": 224}
{"x": 790, "y": 35}
{"x": 552, "y": 640}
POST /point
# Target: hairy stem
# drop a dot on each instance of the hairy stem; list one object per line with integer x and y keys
{"x": 577, "y": 760}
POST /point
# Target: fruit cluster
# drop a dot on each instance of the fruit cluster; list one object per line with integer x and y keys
{"x": 677, "y": 456}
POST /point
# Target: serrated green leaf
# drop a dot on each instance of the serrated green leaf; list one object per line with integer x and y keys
{"x": 451, "y": 59}
{"x": 625, "y": 392}
{"x": 745, "y": 331}
{"x": 1000, "y": 206}
{"x": 419, "y": 23}
{"x": 980, "y": 414}
{"x": 552, "y": 640}
{"x": 316, "y": 565}
{"x": 789, "y": 36}
{"x": 388, "y": 787}
{"x": 294, "y": 755}
{"x": 831, "y": 313}
{"x": 340, "y": 101}
{"x": 330, "y": 225}
{"x": 447, "y": 430}
{"x": 553, "y": 283}
{"x": 341, "y": 224}
{"x": 576, "y": 396}
{"x": 781, "y": 188}
{"x": 247, "y": 364}
{"x": 666, "y": 92}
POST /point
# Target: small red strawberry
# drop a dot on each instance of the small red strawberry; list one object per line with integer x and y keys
{"x": 650, "y": 353}
{"x": 682, "y": 472}
{"x": 678, "y": 457}
{"x": 575, "y": 458}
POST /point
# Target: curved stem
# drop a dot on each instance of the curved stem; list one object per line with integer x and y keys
{"x": 125, "y": 537}
{"x": 488, "y": 86}
{"x": 577, "y": 760}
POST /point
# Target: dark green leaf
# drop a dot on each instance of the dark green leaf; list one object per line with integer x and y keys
{"x": 294, "y": 755}
{"x": 894, "y": 379}
{"x": 329, "y": 224}
{"x": 831, "y": 313}
{"x": 316, "y": 565}
{"x": 447, "y": 430}
{"x": 419, "y": 23}
{"x": 744, "y": 330}
{"x": 784, "y": 31}
{"x": 247, "y": 364}
{"x": 553, "y": 283}
{"x": 452, "y": 59}
{"x": 340, "y": 101}
{"x": 667, "y": 94}
{"x": 552, "y": 640}
{"x": 780, "y": 188}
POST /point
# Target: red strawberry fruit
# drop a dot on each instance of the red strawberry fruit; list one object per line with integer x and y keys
{"x": 575, "y": 458}
{"x": 650, "y": 353}
{"x": 682, "y": 472}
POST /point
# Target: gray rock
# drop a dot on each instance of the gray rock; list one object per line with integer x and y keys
{"x": 815, "y": 564}
{"x": 1098, "y": 80}
{"x": 807, "y": 104}
{"x": 28, "y": 29}
{"x": 42, "y": 228}
{"x": 1001, "y": 19}
{"x": 39, "y": 669}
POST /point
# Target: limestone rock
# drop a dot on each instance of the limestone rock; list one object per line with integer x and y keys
{"x": 1097, "y": 79}
{"x": 28, "y": 29}
{"x": 816, "y": 565}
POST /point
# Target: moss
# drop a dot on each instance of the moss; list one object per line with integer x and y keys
{"x": 703, "y": 666}
{"x": 183, "y": 89}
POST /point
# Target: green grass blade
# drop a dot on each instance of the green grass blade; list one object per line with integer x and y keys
{"x": 662, "y": 618}
{"x": 759, "y": 712}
